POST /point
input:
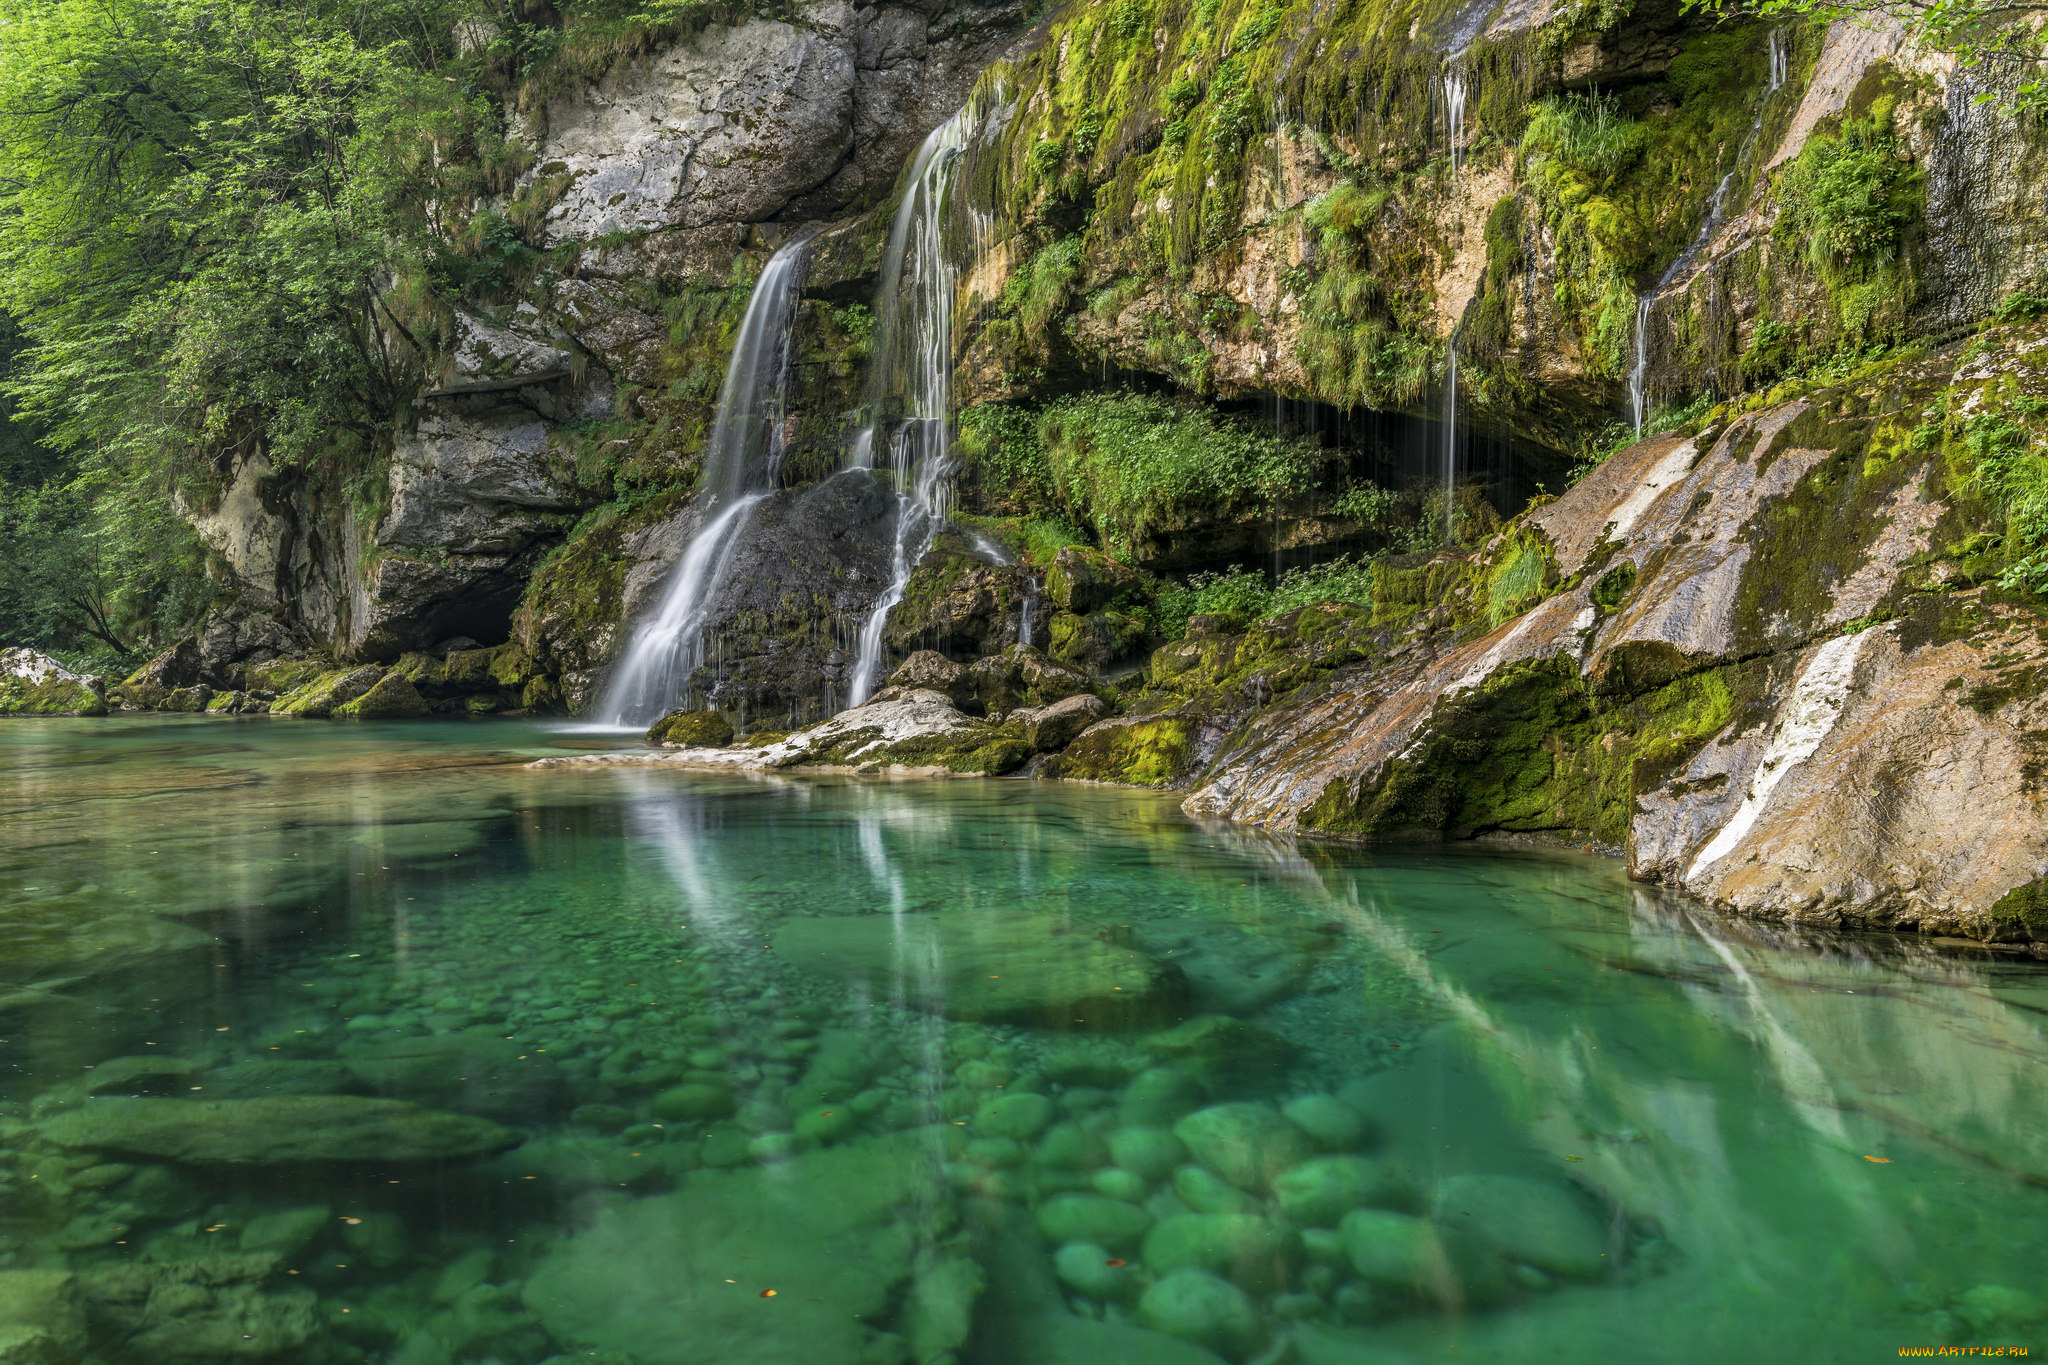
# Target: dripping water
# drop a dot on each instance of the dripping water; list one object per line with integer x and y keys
{"x": 1454, "y": 118}
{"x": 913, "y": 364}
{"x": 1717, "y": 206}
{"x": 742, "y": 462}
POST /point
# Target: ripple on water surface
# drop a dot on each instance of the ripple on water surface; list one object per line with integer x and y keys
{"x": 359, "y": 1043}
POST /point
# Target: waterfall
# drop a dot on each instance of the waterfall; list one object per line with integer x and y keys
{"x": 1638, "y": 395}
{"x": 1454, "y": 118}
{"x": 913, "y": 366}
{"x": 742, "y": 461}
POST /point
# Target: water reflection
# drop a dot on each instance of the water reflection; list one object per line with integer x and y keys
{"x": 989, "y": 1070}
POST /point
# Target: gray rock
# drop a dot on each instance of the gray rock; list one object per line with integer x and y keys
{"x": 277, "y": 1131}
{"x": 1054, "y": 726}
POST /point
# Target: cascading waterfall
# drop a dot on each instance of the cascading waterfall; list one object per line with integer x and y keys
{"x": 913, "y": 366}
{"x": 742, "y": 462}
{"x": 1454, "y": 118}
{"x": 1638, "y": 393}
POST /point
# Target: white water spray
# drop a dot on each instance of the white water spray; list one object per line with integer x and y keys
{"x": 742, "y": 461}
{"x": 913, "y": 365}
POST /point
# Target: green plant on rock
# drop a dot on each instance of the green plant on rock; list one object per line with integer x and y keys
{"x": 1131, "y": 465}
{"x": 1845, "y": 205}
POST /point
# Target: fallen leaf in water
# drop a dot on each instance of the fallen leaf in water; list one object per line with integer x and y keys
{"x": 1575, "y": 1158}
{"x": 767, "y": 1293}
{"x": 350, "y": 1221}
{"x": 1880, "y": 1160}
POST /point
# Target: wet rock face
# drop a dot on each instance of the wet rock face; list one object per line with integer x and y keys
{"x": 1752, "y": 671}
{"x": 761, "y": 120}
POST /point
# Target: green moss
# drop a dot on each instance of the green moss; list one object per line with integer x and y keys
{"x": 392, "y": 698}
{"x": 691, "y": 730}
{"x": 283, "y": 675}
{"x": 2020, "y": 915}
{"x": 1144, "y": 751}
{"x": 53, "y": 696}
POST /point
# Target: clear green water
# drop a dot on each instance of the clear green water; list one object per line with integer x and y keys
{"x": 826, "y": 1038}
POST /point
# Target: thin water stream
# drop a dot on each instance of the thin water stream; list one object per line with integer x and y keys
{"x": 365, "y": 1043}
{"x": 742, "y": 465}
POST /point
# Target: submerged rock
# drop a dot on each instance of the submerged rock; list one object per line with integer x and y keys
{"x": 40, "y": 1319}
{"x": 1247, "y": 1144}
{"x": 833, "y": 1232}
{"x": 276, "y": 1131}
{"x": 1550, "y": 1226}
{"x": 1204, "y": 1309}
{"x": 1322, "y": 1191}
{"x": 1250, "y": 1251}
{"x": 1046, "y": 970}
{"x": 204, "y": 1310}
{"x": 1414, "y": 1256}
{"x": 1063, "y": 1339}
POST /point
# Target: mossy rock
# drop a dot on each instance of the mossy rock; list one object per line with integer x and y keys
{"x": 53, "y": 696}
{"x": 1096, "y": 640}
{"x": 691, "y": 730}
{"x": 511, "y": 666}
{"x": 2020, "y": 915}
{"x": 392, "y": 698}
{"x": 323, "y": 694}
{"x": 1137, "y": 751}
{"x": 1082, "y": 580}
{"x": 280, "y": 676}
{"x": 193, "y": 699}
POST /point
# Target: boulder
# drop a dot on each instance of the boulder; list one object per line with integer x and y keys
{"x": 1045, "y": 970}
{"x": 1320, "y": 1192}
{"x": 1541, "y": 1222}
{"x": 320, "y": 696}
{"x": 1220, "y": 1048}
{"x": 460, "y": 1071}
{"x": 33, "y": 684}
{"x": 691, "y": 730}
{"x": 189, "y": 699}
{"x": 1204, "y": 1309}
{"x": 1055, "y": 726}
{"x": 176, "y": 667}
{"x": 40, "y": 1319}
{"x": 1083, "y": 580}
{"x": 681, "y": 1279}
{"x": 1415, "y": 1257}
{"x": 203, "y": 1310}
{"x": 1250, "y": 1251}
{"x": 1065, "y": 1339}
{"x": 934, "y": 672}
{"x": 1093, "y": 1218}
{"x": 275, "y": 1131}
{"x": 392, "y": 697}
{"x": 1247, "y": 1144}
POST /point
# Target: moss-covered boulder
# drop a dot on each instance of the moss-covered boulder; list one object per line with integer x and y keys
{"x": 146, "y": 688}
{"x": 691, "y": 730}
{"x": 1141, "y": 751}
{"x": 189, "y": 699}
{"x": 1096, "y": 640}
{"x": 33, "y": 684}
{"x": 392, "y": 698}
{"x": 323, "y": 694}
{"x": 278, "y": 677}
